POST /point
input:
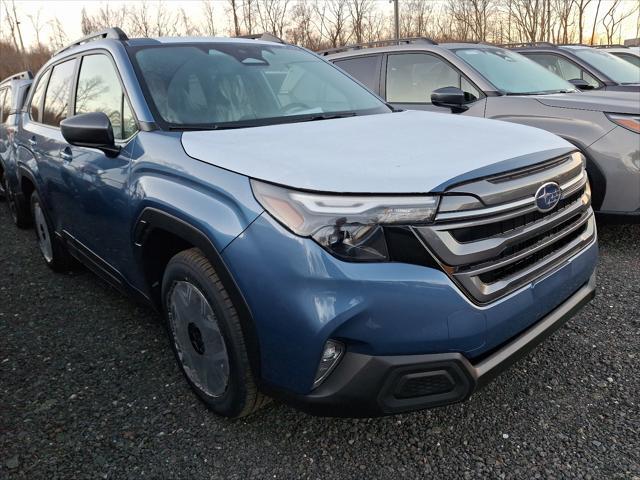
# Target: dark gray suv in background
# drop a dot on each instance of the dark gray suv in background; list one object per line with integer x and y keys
{"x": 598, "y": 69}
{"x": 487, "y": 81}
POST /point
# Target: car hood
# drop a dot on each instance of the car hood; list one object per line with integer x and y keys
{"x": 405, "y": 152}
{"x": 613, "y": 102}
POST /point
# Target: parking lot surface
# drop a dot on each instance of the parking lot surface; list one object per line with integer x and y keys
{"x": 89, "y": 389}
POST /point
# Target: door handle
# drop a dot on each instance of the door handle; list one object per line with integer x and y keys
{"x": 32, "y": 141}
{"x": 66, "y": 155}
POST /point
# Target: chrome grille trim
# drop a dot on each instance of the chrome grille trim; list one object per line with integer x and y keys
{"x": 516, "y": 244}
{"x": 567, "y": 188}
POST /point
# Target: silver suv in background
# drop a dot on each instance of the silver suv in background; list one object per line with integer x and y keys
{"x": 487, "y": 81}
{"x": 630, "y": 54}
{"x": 13, "y": 91}
{"x": 596, "y": 68}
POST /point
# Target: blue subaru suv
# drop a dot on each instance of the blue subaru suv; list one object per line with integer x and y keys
{"x": 304, "y": 240}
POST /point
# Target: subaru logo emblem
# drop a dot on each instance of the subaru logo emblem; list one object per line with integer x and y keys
{"x": 548, "y": 196}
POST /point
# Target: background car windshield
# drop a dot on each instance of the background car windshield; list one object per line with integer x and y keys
{"x": 255, "y": 84}
{"x": 513, "y": 73}
{"x": 617, "y": 69}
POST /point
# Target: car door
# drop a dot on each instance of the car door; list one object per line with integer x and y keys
{"x": 5, "y": 96}
{"x": 411, "y": 78}
{"x": 100, "y": 209}
{"x": 49, "y": 106}
{"x": 563, "y": 67}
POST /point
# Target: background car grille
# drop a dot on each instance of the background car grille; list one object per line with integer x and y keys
{"x": 499, "y": 241}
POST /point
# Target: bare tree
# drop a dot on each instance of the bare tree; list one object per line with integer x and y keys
{"x": 614, "y": 17}
{"x": 358, "y": 11}
{"x": 187, "y": 26}
{"x": 233, "y": 7}
{"x": 13, "y": 23}
{"x": 36, "y": 23}
{"x": 527, "y": 17}
{"x": 273, "y": 16}
{"x": 581, "y": 8}
{"x": 209, "y": 20}
{"x": 140, "y": 22}
{"x": 105, "y": 17}
{"x": 302, "y": 31}
{"x": 595, "y": 22}
{"x": 333, "y": 22}
{"x": 564, "y": 15}
{"x": 58, "y": 37}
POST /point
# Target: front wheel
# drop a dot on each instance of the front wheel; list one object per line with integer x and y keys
{"x": 206, "y": 336}
{"x": 53, "y": 251}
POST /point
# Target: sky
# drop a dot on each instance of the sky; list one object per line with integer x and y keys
{"x": 68, "y": 11}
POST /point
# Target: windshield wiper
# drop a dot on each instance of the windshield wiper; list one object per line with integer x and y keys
{"x": 262, "y": 122}
{"x": 326, "y": 116}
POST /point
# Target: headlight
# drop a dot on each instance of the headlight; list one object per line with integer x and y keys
{"x": 350, "y": 226}
{"x": 630, "y": 122}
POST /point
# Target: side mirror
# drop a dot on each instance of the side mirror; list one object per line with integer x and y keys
{"x": 91, "y": 130}
{"x": 580, "y": 84}
{"x": 450, "y": 97}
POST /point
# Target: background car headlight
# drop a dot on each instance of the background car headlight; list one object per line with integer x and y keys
{"x": 630, "y": 122}
{"x": 349, "y": 226}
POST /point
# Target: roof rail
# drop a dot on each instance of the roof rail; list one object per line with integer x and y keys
{"x": 266, "y": 36}
{"x": 114, "y": 33}
{"x": 610, "y": 45}
{"x": 26, "y": 75}
{"x": 378, "y": 43}
{"x": 527, "y": 44}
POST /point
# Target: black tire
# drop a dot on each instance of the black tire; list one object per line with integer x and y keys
{"x": 18, "y": 208}
{"x": 57, "y": 257}
{"x": 241, "y": 396}
{"x": 3, "y": 191}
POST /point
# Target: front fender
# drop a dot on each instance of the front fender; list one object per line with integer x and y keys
{"x": 215, "y": 201}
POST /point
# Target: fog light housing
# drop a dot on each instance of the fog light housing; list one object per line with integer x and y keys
{"x": 331, "y": 355}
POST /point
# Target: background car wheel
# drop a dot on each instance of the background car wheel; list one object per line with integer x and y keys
{"x": 53, "y": 251}
{"x": 206, "y": 336}
{"x": 18, "y": 209}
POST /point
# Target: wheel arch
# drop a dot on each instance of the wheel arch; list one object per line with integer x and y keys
{"x": 156, "y": 229}
{"x": 597, "y": 178}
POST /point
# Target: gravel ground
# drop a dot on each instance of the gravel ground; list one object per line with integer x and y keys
{"x": 90, "y": 390}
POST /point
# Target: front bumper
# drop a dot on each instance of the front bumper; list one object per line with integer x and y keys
{"x": 365, "y": 385}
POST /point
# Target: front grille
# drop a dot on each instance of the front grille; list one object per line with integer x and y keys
{"x": 507, "y": 243}
{"x": 472, "y": 234}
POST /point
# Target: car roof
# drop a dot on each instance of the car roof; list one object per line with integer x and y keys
{"x": 18, "y": 79}
{"x": 418, "y": 46}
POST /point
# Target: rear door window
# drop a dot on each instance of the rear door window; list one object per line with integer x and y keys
{"x": 38, "y": 94}
{"x": 56, "y": 101}
{"x": 365, "y": 69}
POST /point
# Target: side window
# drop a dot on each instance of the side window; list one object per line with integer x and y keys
{"x": 412, "y": 77}
{"x": 56, "y": 100}
{"x": 4, "y": 104}
{"x": 563, "y": 67}
{"x": 99, "y": 90}
{"x": 629, "y": 58}
{"x": 36, "y": 100}
{"x": 366, "y": 69}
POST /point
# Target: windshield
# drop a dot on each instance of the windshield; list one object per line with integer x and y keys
{"x": 615, "y": 68}
{"x": 231, "y": 85}
{"x": 513, "y": 73}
